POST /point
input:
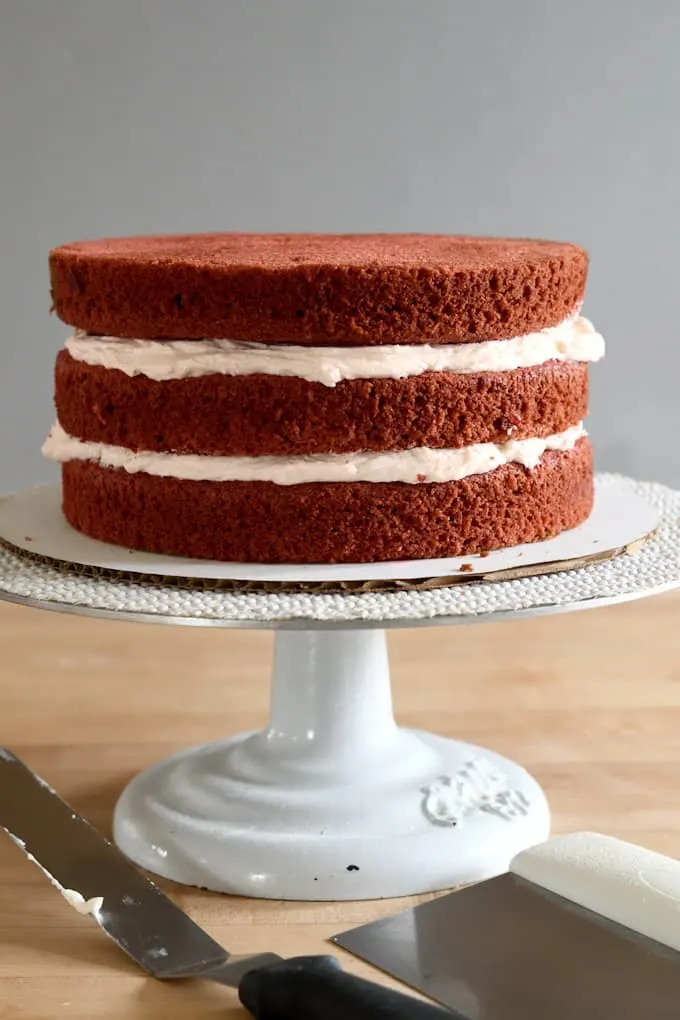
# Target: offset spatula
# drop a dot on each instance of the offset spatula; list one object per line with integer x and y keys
{"x": 97, "y": 879}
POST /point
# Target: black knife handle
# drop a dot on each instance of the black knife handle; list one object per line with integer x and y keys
{"x": 316, "y": 988}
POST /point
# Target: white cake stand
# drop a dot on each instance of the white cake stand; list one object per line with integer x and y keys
{"x": 332, "y": 800}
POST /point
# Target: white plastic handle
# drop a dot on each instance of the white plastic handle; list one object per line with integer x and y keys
{"x": 627, "y": 884}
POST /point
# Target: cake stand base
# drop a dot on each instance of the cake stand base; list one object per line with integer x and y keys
{"x": 333, "y": 801}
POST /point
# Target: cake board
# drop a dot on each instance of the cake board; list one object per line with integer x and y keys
{"x": 333, "y": 800}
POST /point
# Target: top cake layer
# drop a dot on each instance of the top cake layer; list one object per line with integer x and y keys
{"x": 317, "y": 289}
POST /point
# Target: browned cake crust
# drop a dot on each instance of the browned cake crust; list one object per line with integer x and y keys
{"x": 317, "y": 289}
{"x": 362, "y": 522}
{"x": 259, "y": 414}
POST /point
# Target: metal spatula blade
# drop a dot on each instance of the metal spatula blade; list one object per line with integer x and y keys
{"x": 97, "y": 878}
{"x": 583, "y": 927}
{"x": 144, "y": 922}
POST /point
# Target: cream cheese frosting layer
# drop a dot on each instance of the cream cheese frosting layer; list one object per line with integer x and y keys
{"x": 410, "y": 466}
{"x": 575, "y": 339}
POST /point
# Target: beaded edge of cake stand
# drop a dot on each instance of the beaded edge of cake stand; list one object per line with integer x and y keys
{"x": 652, "y": 569}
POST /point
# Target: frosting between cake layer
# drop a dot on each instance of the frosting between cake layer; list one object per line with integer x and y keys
{"x": 575, "y": 339}
{"x": 414, "y": 466}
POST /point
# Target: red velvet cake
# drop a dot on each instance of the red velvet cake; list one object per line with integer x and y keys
{"x": 322, "y": 398}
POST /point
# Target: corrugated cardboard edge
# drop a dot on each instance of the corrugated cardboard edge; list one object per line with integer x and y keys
{"x": 324, "y": 587}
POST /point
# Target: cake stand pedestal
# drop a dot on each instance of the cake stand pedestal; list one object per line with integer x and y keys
{"x": 332, "y": 800}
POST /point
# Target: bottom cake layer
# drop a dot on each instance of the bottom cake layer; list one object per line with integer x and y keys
{"x": 360, "y": 522}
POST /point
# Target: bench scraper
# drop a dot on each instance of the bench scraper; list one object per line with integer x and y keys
{"x": 582, "y": 927}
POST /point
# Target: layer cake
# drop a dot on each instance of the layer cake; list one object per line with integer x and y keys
{"x": 322, "y": 398}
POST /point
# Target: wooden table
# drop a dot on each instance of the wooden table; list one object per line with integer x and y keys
{"x": 589, "y": 702}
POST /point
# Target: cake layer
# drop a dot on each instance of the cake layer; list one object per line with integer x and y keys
{"x": 575, "y": 339}
{"x": 260, "y": 414}
{"x": 317, "y": 289}
{"x": 352, "y": 522}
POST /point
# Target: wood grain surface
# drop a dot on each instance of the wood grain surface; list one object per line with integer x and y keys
{"x": 589, "y": 702}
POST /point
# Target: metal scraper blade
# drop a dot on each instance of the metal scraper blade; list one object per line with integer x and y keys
{"x": 508, "y": 950}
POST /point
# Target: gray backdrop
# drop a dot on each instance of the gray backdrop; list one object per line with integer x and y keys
{"x": 545, "y": 118}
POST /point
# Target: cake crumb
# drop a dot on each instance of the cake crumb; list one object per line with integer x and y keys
{"x": 421, "y": 478}
{"x": 483, "y": 555}
{"x": 99, "y": 415}
{"x": 27, "y": 538}
{"x": 466, "y": 567}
